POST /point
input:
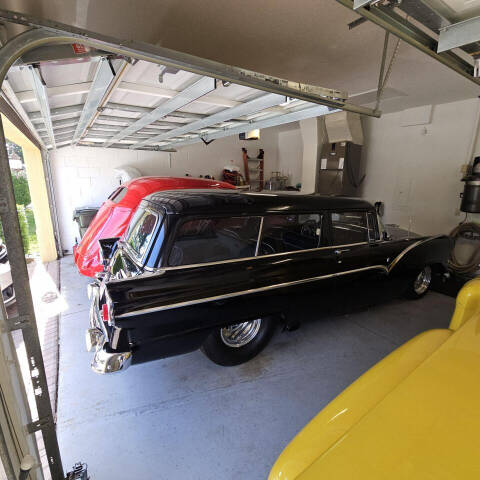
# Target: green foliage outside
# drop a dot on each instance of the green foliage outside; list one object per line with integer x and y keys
{"x": 22, "y": 192}
{"x": 27, "y": 229}
{"x": 22, "y": 199}
{"x": 22, "y": 219}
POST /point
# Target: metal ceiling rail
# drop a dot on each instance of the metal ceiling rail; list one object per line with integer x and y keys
{"x": 253, "y": 106}
{"x": 394, "y": 23}
{"x": 459, "y": 34}
{"x": 42, "y": 99}
{"x": 130, "y": 120}
{"x": 101, "y": 81}
{"x": 8, "y": 93}
{"x": 316, "y": 111}
{"x": 121, "y": 146}
{"x": 198, "y": 89}
{"x": 56, "y": 124}
{"x": 51, "y": 32}
{"x": 73, "y": 110}
{"x": 139, "y": 109}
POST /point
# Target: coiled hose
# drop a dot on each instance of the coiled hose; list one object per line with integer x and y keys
{"x": 472, "y": 265}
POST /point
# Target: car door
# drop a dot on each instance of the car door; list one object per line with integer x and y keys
{"x": 360, "y": 260}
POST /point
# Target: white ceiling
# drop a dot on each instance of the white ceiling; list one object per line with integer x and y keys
{"x": 305, "y": 40}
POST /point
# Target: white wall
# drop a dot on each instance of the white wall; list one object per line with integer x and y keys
{"x": 84, "y": 176}
{"x": 290, "y": 155}
{"x": 416, "y": 170}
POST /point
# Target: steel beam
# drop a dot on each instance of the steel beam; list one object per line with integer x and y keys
{"x": 139, "y": 109}
{"x": 42, "y": 99}
{"x": 459, "y": 34}
{"x": 73, "y": 110}
{"x": 130, "y": 120}
{"x": 317, "y": 111}
{"x": 198, "y": 89}
{"x": 9, "y": 94}
{"x": 121, "y": 146}
{"x": 401, "y": 28}
{"x": 57, "y": 124}
{"x": 246, "y": 108}
{"x": 50, "y": 32}
{"x": 101, "y": 82}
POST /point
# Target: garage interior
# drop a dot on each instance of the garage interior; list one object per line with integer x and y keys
{"x": 381, "y": 103}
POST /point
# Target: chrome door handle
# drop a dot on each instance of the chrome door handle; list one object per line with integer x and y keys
{"x": 341, "y": 250}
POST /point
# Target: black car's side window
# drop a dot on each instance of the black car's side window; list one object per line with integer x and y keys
{"x": 203, "y": 240}
{"x": 349, "y": 227}
{"x": 291, "y": 232}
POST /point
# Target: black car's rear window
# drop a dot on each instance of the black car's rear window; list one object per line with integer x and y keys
{"x": 140, "y": 231}
{"x": 203, "y": 240}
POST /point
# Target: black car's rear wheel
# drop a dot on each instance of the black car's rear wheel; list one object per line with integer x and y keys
{"x": 238, "y": 343}
{"x": 420, "y": 284}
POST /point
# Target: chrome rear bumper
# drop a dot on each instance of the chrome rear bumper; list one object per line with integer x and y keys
{"x": 105, "y": 360}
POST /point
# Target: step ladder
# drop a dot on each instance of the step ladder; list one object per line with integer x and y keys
{"x": 254, "y": 166}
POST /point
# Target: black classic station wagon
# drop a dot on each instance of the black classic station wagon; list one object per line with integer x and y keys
{"x": 218, "y": 270}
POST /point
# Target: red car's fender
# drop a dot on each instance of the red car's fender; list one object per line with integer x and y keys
{"x": 114, "y": 215}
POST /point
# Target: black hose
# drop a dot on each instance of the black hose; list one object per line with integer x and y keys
{"x": 473, "y": 262}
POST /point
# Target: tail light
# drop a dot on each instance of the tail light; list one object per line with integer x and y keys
{"x": 105, "y": 313}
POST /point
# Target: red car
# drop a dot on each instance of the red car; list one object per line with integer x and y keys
{"x": 115, "y": 213}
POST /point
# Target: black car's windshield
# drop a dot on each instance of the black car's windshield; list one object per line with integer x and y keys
{"x": 140, "y": 231}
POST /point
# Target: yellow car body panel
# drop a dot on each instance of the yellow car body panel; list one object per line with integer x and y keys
{"x": 416, "y": 414}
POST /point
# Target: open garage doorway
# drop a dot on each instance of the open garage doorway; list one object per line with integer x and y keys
{"x": 28, "y": 175}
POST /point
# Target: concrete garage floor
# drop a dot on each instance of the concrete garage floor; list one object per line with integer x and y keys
{"x": 187, "y": 418}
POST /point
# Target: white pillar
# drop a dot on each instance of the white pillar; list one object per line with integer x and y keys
{"x": 314, "y": 135}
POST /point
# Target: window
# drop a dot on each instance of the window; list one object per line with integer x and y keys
{"x": 214, "y": 239}
{"x": 118, "y": 194}
{"x": 373, "y": 230}
{"x": 349, "y": 227}
{"x": 288, "y": 233}
{"x": 140, "y": 231}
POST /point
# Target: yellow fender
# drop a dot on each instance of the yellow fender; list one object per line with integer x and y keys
{"x": 467, "y": 304}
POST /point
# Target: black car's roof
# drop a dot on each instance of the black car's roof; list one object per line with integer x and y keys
{"x": 228, "y": 202}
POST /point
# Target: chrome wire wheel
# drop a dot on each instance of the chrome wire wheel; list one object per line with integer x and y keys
{"x": 240, "y": 334}
{"x": 423, "y": 280}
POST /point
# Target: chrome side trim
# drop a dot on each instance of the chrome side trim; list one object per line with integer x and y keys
{"x": 233, "y": 260}
{"x": 410, "y": 247}
{"x": 247, "y": 292}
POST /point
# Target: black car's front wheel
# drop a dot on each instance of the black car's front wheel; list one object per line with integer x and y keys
{"x": 238, "y": 343}
{"x": 421, "y": 283}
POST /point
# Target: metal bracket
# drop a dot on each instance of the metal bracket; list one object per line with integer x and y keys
{"x": 33, "y": 427}
{"x": 3, "y": 205}
{"x": 17, "y": 323}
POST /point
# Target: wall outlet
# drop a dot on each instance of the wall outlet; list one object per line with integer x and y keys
{"x": 457, "y": 212}
{"x": 464, "y": 169}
